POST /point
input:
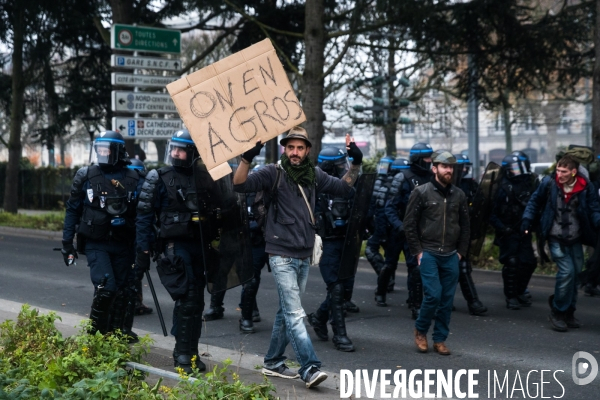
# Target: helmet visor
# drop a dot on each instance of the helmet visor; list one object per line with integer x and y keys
{"x": 105, "y": 153}
{"x": 342, "y": 168}
{"x": 514, "y": 169}
{"x": 384, "y": 167}
{"x": 179, "y": 155}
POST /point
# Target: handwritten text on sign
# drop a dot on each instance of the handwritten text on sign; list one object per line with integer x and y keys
{"x": 231, "y": 104}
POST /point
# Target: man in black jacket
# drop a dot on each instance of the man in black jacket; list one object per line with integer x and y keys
{"x": 290, "y": 237}
{"x": 437, "y": 231}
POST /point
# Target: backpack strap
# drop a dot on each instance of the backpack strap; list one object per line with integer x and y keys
{"x": 274, "y": 192}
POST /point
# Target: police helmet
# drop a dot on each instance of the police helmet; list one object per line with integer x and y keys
{"x": 417, "y": 154}
{"x": 137, "y": 164}
{"x": 399, "y": 164}
{"x": 109, "y": 149}
{"x": 385, "y": 165}
{"x": 181, "y": 150}
{"x": 334, "y": 161}
{"x": 464, "y": 161}
{"x": 514, "y": 166}
{"x": 524, "y": 158}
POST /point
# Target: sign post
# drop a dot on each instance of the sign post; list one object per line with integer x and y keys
{"x": 142, "y": 38}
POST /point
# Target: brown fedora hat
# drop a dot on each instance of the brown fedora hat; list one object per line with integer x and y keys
{"x": 296, "y": 132}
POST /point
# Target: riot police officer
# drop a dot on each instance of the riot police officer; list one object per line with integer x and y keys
{"x": 332, "y": 214}
{"x": 464, "y": 180}
{"x": 419, "y": 173}
{"x": 170, "y": 198}
{"x": 257, "y": 204}
{"x": 376, "y": 215}
{"x": 101, "y": 211}
{"x": 516, "y": 186}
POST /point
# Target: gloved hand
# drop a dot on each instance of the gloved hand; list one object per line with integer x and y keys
{"x": 67, "y": 251}
{"x": 355, "y": 153}
{"x": 525, "y": 226}
{"x": 142, "y": 261}
{"x": 507, "y": 231}
{"x": 253, "y": 152}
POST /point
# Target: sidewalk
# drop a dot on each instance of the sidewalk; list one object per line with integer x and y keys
{"x": 246, "y": 365}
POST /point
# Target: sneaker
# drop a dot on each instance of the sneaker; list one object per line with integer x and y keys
{"x": 281, "y": 372}
{"x": 314, "y": 377}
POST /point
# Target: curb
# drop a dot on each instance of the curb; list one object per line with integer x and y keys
{"x": 32, "y": 233}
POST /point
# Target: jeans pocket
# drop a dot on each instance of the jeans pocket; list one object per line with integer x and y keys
{"x": 280, "y": 261}
{"x": 556, "y": 251}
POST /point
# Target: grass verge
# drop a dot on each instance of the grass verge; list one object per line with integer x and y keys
{"x": 53, "y": 221}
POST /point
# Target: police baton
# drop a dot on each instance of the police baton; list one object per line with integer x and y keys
{"x": 158, "y": 311}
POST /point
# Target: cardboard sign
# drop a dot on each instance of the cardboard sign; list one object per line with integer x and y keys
{"x": 230, "y": 105}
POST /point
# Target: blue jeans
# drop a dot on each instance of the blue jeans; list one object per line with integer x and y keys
{"x": 440, "y": 276}
{"x": 290, "y": 275}
{"x": 569, "y": 260}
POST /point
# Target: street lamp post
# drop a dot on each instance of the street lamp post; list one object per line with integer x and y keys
{"x": 90, "y": 125}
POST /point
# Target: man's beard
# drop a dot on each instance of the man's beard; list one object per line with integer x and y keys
{"x": 296, "y": 161}
{"x": 444, "y": 179}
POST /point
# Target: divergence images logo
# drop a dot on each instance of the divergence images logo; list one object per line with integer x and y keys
{"x": 581, "y": 368}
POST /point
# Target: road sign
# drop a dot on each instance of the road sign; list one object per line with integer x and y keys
{"x": 147, "y": 127}
{"x": 142, "y": 102}
{"x": 141, "y": 80}
{"x": 130, "y": 62}
{"x": 142, "y": 38}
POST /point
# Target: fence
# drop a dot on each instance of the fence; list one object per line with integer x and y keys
{"x": 45, "y": 188}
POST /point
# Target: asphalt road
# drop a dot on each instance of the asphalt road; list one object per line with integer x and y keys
{"x": 508, "y": 344}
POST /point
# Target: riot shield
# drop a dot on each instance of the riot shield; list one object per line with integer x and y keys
{"x": 481, "y": 207}
{"x": 457, "y": 173}
{"x": 225, "y": 232}
{"x": 356, "y": 225}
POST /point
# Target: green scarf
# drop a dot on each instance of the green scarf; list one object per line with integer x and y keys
{"x": 303, "y": 174}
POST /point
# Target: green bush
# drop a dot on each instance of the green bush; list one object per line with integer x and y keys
{"x": 49, "y": 222}
{"x": 37, "y": 362}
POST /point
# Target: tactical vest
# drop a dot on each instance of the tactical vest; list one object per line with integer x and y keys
{"x": 181, "y": 217}
{"x": 332, "y": 216}
{"x": 110, "y": 209}
{"x": 512, "y": 206}
{"x": 415, "y": 180}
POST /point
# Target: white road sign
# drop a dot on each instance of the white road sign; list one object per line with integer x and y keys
{"x": 150, "y": 128}
{"x": 141, "y": 80}
{"x": 167, "y": 64}
{"x": 142, "y": 102}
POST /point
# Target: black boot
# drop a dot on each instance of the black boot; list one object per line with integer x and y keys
{"x": 216, "y": 309}
{"x": 375, "y": 259}
{"x": 100, "y": 312}
{"x": 338, "y": 323}
{"x": 591, "y": 290}
{"x": 390, "y": 287}
{"x": 318, "y": 320}
{"x": 511, "y": 289}
{"x": 383, "y": 281}
{"x": 524, "y": 276}
{"x": 349, "y": 305}
{"x": 247, "y": 305}
{"x": 130, "y": 304}
{"x": 189, "y": 328}
{"x": 467, "y": 287}
{"x": 415, "y": 291}
{"x": 556, "y": 318}
{"x": 570, "y": 319}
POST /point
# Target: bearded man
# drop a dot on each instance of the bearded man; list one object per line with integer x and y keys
{"x": 290, "y": 236}
{"x": 437, "y": 231}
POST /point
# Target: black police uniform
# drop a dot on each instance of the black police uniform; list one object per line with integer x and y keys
{"x": 332, "y": 215}
{"x": 419, "y": 173}
{"x": 101, "y": 210}
{"x": 516, "y": 249}
{"x": 386, "y": 187}
{"x": 467, "y": 286}
{"x": 170, "y": 198}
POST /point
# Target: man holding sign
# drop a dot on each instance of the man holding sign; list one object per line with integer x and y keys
{"x": 290, "y": 236}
